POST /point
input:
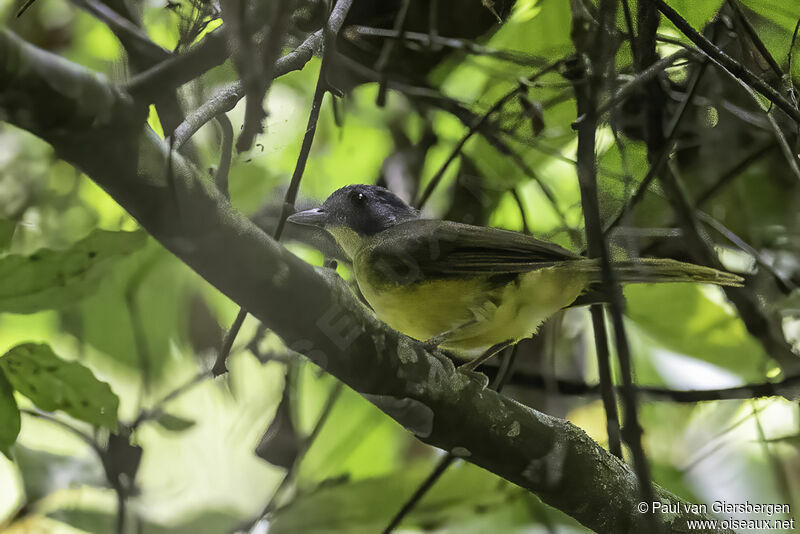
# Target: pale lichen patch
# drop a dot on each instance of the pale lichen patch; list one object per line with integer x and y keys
{"x": 513, "y": 430}
{"x": 281, "y": 274}
{"x": 406, "y": 351}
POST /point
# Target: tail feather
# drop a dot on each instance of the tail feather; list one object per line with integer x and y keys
{"x": 661, "y": 270}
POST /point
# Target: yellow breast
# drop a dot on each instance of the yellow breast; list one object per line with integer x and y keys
{"x": 477, "y": 314}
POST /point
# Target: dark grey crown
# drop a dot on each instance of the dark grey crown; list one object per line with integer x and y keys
{"x": 367, "y": 209}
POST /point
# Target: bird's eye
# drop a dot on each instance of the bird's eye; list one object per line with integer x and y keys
{"x": 358, "y": 198}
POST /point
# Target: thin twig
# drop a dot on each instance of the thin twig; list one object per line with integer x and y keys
{"x": 791, "y": 46}
{"x": 444, "y": 463}
{"x": 728, "y": 176}
{"x": 219, "y": 367}
{"x": 499, "y": 103}
{"x": 526, "y": 229}
{"x": 786, "y": 284}
{"x": 139, "y": 337}
{"x": 642, "y": 78}
{"x": 433, "y": 25}
{"x": 225, "y": 99}
{"x": 89, "y": 440}
{"x": 711, "y": 447}
{"x": 780, "y": 473}
{"x": 102, "y": 455}
{"x": 335, "y": 22}
{"x": 388, "y": 49}
{"x": 755, "y": 39}
{"x": 222, "y": 101}
{"x": 788, "y": 153}
{"x": 24, "y": 8}
{"x": 661, "y": 159}
{"x": 157, "y": 409}
{"x": 765, "y": 328}
{"x": 606, "y": 381}
{"x": 728, "y": 63}
{"x": 331, "y": 30}
{"x": 226, "y": 154}
{"x": 470, "y": 47}
{"x": 786, "y": 388}
{"x": 626, "y": 10}
{"x": 546, "y": 191}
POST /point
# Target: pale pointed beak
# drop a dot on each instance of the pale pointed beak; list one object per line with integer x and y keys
{"x": 312, "y": 217}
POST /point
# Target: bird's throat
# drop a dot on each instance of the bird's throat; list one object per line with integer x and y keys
{"x": 347, "y": 238}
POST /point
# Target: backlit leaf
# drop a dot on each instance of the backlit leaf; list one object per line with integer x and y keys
{"x": 55, "y": 384}
{"x": 51, "y": 279}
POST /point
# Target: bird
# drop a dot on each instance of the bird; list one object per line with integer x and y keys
{"x": 469, "y": 290}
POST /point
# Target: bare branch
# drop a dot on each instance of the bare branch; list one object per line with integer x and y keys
{"x": 428, "y": 41}
{"x": 225, "y": 99}
{"x": 180, "y": 69}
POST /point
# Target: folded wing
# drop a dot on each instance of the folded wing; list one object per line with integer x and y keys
{"x": 433, "y": 249}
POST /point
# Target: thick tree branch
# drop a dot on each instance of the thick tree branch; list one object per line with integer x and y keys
{"x": 90, "y": 123}
{"x": 178, "y": 70}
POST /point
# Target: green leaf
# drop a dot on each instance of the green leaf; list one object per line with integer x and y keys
{"x": 51, "y": 279}
{"x": 9, "y": 416}
{"x": 684, "y": 318}
{"x": 697, "y": 13}
{"x": 55, "y": 384}
{"x": 174, "y": 423}
{"x": 366, "y": 506}
{"x": 785, "y": 14}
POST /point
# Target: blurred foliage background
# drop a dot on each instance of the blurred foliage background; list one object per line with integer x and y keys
{"x": 145, "y": 324}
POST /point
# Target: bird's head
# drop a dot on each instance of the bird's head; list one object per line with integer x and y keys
{"x": 356, "y": 212}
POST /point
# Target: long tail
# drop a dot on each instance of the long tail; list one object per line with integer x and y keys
{"x": 661, "y": 270}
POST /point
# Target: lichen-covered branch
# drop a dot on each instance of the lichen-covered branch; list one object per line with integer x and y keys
{"x": 93, "y": 125}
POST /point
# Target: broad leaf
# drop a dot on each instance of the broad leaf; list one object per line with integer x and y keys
{"x": 55, "y": 384}
{"x": 696, "y": 13}
{"x": 51, "y": 279}
{"x": 784, "y": 14}
{"x": 684, "y": 319}
{"x": 368, "y": 505}
{"x": 9, "y": 415}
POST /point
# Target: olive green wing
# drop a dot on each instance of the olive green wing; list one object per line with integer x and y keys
{"x": 431, "y": 249}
